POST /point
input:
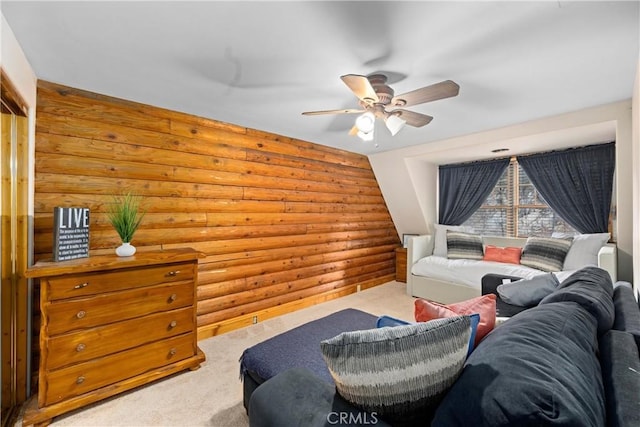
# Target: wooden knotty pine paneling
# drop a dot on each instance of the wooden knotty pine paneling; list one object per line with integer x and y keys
{"x": 281, "y": 223}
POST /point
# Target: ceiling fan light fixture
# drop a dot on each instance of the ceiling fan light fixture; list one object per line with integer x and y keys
{"x": 394, "y": 124}
{"x": 366, "y": 122}
{"x": 365, "y": 136}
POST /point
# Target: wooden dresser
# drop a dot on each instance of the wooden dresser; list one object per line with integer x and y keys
{"x": 110, "y": 324}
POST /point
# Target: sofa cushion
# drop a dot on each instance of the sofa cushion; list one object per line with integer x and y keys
{"x": 538, "y": 368}
{"x": 545, "y": 253}
{"x": 464, "y": 245}
{"x": 469, "y": 272}
{"x": 485, "y": 306}
{"x": 627, "y": 311}
{"x": 528, "y": 292}
{"x": 621, "y": 378}
{"x": 584, "y": 249}
{"x": 507, "y": 255}
{"x": 401, "y": 373}
{"x": 590, "y": 287}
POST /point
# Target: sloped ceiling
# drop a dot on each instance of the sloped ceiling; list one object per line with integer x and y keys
{"x": 261, "y": 64}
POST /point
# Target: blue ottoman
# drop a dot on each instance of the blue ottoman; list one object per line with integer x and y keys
{"x": 298, "y": 347}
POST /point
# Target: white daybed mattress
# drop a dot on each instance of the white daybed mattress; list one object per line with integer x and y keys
{"x": 469, "y": 272}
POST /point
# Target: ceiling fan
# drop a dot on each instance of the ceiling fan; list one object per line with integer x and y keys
{"x": 377, "y": 100}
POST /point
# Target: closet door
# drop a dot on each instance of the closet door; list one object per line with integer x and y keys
{"x": 14, "y": 291}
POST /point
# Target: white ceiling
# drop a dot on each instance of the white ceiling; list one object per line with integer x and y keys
{"x": 261, "y": 64}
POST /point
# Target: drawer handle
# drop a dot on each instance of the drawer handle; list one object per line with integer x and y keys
{"x": 80, "y": 347}
{"x": 81, "y": 314}
{"x": 80, "y": 380}
{"x": 172, "y": 352}
{"x": 81, "y": 285}
{"x": 174, "y": 273}
{"x": 173, "y": 324}
{"x": 173, "y": 297}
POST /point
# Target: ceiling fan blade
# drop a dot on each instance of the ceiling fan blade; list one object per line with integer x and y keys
{"x": 343, "y": 111}
{"x": 361, "y": 87}
{"x": 412, "y": 118}
{"x": 445, "y": 89}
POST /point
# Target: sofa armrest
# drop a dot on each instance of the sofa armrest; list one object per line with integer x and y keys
{"x": 296, "y": 397}
{"x": 627, "y": 311}
{"x": 621, "y": 378}
{"x": 419, "y": 247}
{"x": 608, "y": 260}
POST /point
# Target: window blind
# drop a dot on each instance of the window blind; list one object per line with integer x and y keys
{"x": 515, "y": 209}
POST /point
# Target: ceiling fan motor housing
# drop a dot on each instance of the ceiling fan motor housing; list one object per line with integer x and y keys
{"x": 384, "y": 92}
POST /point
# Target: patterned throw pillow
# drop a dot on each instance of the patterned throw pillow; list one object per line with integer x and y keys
{"x": 440, "y": 237}
{"x": 545, "y": 253}
{"x": 464, "y": 245}
{"x": 385, "y": 321}
{"x": 401, "y": 373}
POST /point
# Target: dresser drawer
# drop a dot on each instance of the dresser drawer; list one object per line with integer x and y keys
{"x": 76, "y": 347}
{"x": 78, "y": 285}
{"x": 84, "y": 377}
{"x": 83, "y": 313}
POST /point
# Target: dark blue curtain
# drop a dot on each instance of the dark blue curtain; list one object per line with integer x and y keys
{"x": 465, "y": 187}
{"x": 576, "y": 183}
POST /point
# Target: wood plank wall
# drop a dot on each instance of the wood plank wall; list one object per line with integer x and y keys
{"x": 281, "y": 223}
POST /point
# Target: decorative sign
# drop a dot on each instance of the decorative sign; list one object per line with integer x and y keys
{"x": 70, "y": 233}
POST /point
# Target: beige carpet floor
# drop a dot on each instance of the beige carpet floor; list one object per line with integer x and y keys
{"x": 212, "y": 395}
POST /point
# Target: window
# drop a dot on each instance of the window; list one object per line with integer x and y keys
{"x": 515, "y": 209}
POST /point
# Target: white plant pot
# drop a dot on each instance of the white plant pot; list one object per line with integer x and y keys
{"x": 125, "y": 249}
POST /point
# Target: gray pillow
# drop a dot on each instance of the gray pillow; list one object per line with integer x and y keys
{"x": 528, "y": 292}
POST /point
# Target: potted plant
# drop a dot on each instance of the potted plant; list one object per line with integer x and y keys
{"x": 125, "y": 215}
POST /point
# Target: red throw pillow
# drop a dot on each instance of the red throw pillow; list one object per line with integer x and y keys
{"x": 484, "y": 305}
{"x": 508, "y": 255}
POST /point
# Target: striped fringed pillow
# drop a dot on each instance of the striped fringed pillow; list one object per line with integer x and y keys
{"x": 464, "y": 245}
{"x": 399, "y": 373}
{"x": 545, "y": 253}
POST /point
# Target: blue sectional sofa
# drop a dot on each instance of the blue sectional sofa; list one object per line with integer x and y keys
{"x": 572, "y": 360}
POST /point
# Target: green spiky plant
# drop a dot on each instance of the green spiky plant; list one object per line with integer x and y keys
{"x": 125, "y": 215}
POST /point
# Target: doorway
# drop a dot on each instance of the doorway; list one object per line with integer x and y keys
{"x": 14, "y": 291}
